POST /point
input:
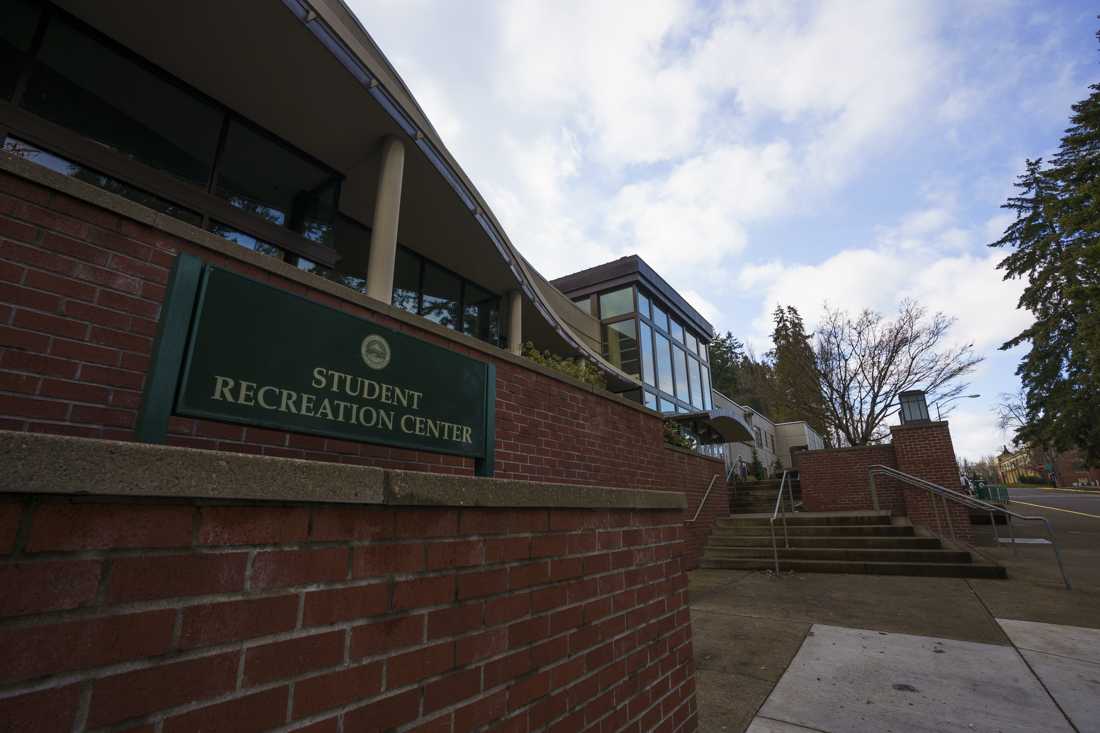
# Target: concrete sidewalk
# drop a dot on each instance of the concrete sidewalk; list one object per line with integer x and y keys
{"x": 751, "y": 630}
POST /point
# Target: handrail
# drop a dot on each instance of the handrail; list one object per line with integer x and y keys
{"x": 967, "y": 501}
{"x": 705, "y": 496}
{"x": 771, "y": 522}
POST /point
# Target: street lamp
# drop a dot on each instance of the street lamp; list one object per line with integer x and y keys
{"x": 959, "y": 397}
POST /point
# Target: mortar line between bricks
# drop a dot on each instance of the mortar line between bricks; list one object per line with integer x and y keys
{"x": 185, "y": 602}
{"x": 23, "y": 687}
{"x": 1023, "y": 658}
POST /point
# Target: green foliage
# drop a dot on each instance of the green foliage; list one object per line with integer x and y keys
{"x": 578, "y": 369}
{"x": 756, "y": 468}
{"x": 726, "y": 354}
{"x": 739, "y": 374}
{"x": 1055, "y": 244}
{"x": 795, "y": 383}
{"x": 675, "y": 436}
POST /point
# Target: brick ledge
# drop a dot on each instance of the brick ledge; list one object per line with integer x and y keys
{"x": 55, "y": 464}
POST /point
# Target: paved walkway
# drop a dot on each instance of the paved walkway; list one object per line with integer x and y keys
{"x": 838, "y": 653}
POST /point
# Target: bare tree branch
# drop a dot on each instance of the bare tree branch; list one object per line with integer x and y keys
{"x": 865, "y": 362}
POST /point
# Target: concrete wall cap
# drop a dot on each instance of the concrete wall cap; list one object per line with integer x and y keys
{"x": 56, "y": 464}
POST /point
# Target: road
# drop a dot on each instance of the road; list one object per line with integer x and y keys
{"x": 1074, "y": 513}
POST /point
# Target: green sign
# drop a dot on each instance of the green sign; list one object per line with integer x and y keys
{"x": 258, "y": 355}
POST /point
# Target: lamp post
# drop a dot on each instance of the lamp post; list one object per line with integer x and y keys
{"x": 959, "y": 397}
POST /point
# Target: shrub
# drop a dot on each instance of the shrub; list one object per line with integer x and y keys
{"x": 578, "y": 369}
{"x": 675, "y": 436}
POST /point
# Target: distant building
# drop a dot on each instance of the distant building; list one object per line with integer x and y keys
{"x": 1063, "y": 470}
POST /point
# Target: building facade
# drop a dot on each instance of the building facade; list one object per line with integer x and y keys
{"x": 648, "y": 331}
{"x": 267, "y": 572}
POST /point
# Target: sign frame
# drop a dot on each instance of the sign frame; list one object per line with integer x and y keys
{"x": 174, "y": 349}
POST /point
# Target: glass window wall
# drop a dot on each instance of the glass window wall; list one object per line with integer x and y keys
{"x": 650, "y": 400}
{"x": 676, "y": 330}
{"x": 481, "y": 314}
{"x": 660, "y": 318}
{"x": 440, "y": 294}
{"x": 616, "y": 303}
{"x": 66, "y": 167}
{"x": 643, "y": 304}
{"x": 16, "y": 34}
{"x": 95, "y": 89}
{"x": 406, "y": 281}
{"x": 620, "y": 346}
{"x": 647, "y": 353}
{"x": 287, "y": 189}
{"x": 664, "y": 364}
{"x": 679, "y": 366}
{"x": 696, "y": 384}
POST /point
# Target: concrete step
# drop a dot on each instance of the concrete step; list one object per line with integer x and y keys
{"x": 820, "y": 530}
{"x": 940, "y": 570}
{"x": 841, "y": 553}
{"x": 895, "y": 543}
{"x": 807, "y": 518}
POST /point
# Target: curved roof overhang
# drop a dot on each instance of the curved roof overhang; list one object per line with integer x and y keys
{"x": 716, "y": 426}
{"x": 310, "y": 73}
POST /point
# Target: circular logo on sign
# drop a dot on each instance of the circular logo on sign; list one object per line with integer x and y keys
{"x": 375, "y": 351}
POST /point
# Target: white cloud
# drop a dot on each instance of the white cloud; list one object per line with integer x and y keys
{"x": 922, "y": 259}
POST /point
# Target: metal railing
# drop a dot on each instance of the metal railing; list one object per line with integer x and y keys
{"x": 703, "y": 503}
{"x": 935, "y": 490}
{"x": 771, "y": 522}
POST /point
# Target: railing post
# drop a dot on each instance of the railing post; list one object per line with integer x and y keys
{"x": 874, "y": 491}
{"x": 947, "y": 513}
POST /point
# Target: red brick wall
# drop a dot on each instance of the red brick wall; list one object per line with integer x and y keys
{"x": 80, "y": 294}
{"x": 836, "y": 480}
{"x": 190, "y": 615}
{"x": 925, "y": 450}
{"x": 693, "y": 474}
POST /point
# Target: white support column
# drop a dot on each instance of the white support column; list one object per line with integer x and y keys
{"x": 387, "y": 210}
{"x": 515, "y": 321}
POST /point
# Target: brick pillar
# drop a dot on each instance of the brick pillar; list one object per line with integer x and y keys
{"x": 925, "y": 451}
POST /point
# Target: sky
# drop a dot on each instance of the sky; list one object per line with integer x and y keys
{"x": 845, "y": 154}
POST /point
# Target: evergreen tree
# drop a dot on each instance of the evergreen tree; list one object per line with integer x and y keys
{"x": 726, "y": 354}
{"x": 795, "y": 384}
{"x": 1055, "y": 243}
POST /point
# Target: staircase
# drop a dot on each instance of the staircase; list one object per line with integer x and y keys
{"x": 758, "y": 497}
{"x": 872, "y": 543}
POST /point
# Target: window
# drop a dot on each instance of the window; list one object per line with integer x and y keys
{"x": 704, "y": 351}
{"x": 664, "y": 365}
{"x": 759, "y": 440}
{"x": 679, "y": 365}
{"x": 692, "y": 343}
{"x": 617, "y": 303}
{"x": 102, "y": 93}
{"x": 650, "y": 400}
{"x": 620, "y": 346}
{"x": 481, "y": 314}
{"x": 676, "y": 330}
{"x": 439, "y": 296}
{"x": 245, "y": 240}
{"x": 696, "y": 383}
{"x": 647, "y": 353}
{"x": 667, "y": 406}
{"x": 287, "y": 189}
{"x": 423, "y": 288}
{"x": 660, "y": 320}
{"x": 643, "y": 304}
{"x": 66, "y": 167}
{"x": 406, "y": 281}
{"x": 585, "y": 304}
{"x": 708, "y": 402}
{"x": 16, "y": 34}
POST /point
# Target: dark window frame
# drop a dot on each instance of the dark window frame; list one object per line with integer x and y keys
{"x": 67, "y": 143}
